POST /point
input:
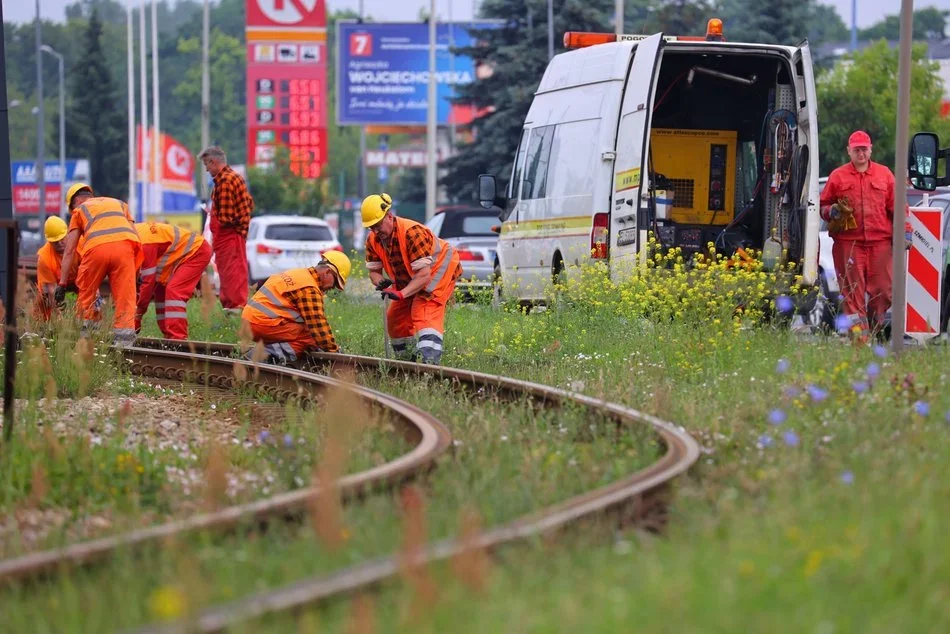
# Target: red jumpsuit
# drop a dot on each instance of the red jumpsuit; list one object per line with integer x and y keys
{"x": 231, "y": 208}
{"x": 863, "y": 256}
{"x": 174, "y": 260}
{"x": 420, "y": 318}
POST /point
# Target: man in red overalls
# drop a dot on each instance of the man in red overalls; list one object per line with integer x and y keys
{"x": 231, "y": 208}
{"x": 862, "y": 248}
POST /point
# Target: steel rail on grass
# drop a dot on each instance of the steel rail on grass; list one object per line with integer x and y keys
{"x": 429, "y": 436}
{"x": 637, "y": 496}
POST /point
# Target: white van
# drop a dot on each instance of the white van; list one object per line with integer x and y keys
{"x": 696, "y": 140}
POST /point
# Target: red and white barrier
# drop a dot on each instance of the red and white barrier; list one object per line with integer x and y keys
{"x": 925, "y": 265}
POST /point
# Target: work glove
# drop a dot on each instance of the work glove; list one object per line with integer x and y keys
{"x": 842, "y": 217}
{"x": 384, "y": 284}
{"x": 390, "y": 293}
{"x": 59, "y": 296}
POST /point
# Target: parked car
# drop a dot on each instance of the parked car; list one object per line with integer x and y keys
{"x": 469, "y": 229}
{"x": 277, "y": 243}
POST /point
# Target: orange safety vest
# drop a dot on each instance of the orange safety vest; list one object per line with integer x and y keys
{"x": 268, "y": 306}
{"x": 181, "y": 245}
{"x": 443, "y": 255}
{"x": 48, "y": 261}
{"x": 102, "y": 220}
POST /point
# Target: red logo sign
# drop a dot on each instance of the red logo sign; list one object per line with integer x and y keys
{"x": 266, "y": 13}
{"x": 361, "y": 44}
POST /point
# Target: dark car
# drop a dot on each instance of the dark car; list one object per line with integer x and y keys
{"x": 469, "y": 230}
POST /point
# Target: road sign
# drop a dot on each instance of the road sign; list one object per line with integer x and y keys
{"x": 925, "y": 264}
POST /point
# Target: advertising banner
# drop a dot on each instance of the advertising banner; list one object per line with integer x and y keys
{"x": 26, "y": 193}
{"x": 383, "y": 72}
{"x": 287, "y": 83}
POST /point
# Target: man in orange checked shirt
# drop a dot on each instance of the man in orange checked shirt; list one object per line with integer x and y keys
{"x": 173, "y": 261}
{"x": 112, "y": 248}
{"x": 287, "y": 313}
{"x": 231, "y": 209}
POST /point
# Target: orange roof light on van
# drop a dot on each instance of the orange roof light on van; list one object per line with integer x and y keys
{"x": 579, "y": 39}
{"x": 714, "y": 30}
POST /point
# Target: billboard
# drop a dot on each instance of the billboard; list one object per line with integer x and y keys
{"x": 172, "y": 189}
{"x": 383, "y": 72}
{"x": 26, "y": 193}
{"x": 287, "y": 83}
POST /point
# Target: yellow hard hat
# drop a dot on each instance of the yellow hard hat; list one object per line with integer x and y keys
{"x": 56, "y": 229}
{"x": 75, "y": 189}
{"x": 339, "y": 264}
{"x": 374, "y": 208}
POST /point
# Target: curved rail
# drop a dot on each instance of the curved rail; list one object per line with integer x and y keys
{"x": 640, "y": 493}
{"x": 430, "y": 438}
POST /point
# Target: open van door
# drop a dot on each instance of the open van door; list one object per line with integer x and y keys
{"x": 628, "y": 225}
{"x": 808, "y": 128}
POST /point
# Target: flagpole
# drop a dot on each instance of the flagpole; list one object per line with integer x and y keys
{"x": 130, "y": 64}
{"x": 143, "y": 105}
{"x": 156, "y": 171}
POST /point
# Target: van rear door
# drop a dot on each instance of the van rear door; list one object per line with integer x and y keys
{"x": 632, "y": 148}
{"x": 808, "y": 128}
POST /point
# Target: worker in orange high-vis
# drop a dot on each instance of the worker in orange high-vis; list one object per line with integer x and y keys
{"x": 287, "y": 313}
{"x": 421, "y": 269}
{"x": 174, "y": 260}
{"x": 49, "y": 261}
{"x": 112, "y": 248}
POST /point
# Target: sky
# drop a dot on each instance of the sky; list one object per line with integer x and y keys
{"x": 869, "y": 11}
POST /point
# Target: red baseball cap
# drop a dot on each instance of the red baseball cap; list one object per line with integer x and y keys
{"x": 859, "y": 138}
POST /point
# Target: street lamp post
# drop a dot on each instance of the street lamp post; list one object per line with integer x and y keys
{"x": 62, "y": 128}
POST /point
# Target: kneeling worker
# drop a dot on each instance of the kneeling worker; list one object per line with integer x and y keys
{"x": 422, "y": 271}
{"x": 287, "y": 313}
{"x": 49, "y": 260}
{"x": 112, "y": 248}
{"x": 174, "y": 260}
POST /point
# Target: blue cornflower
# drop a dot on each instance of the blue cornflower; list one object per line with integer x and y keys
{"x": 842, "y": 323}
{"x": 922, "y": 408}
{"x": 264, "y": 436}
{"x": 873, "y": 370}
{"x": 782, "y": 366}
{"x": 777, "y": 416}
{"x": 288, "y": 440}
{"x": 847, "y": 477}
{"x": 784, "y": 304}
{"x": 860, "y": 387}
{"x": 880, "y": 351}
{"x": 790, "y": 438}
{"x": 765, "y": 440}
{"x": 816, "y": 393}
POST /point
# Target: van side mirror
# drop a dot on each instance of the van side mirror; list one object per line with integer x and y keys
{"x": 922, "y": 161}
{"x": 487, "y": 190}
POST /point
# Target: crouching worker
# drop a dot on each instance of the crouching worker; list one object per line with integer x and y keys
{"x": 174, "y": 261}
{"x": 49, "y": 266}
{"x": 287, "y": 313}
{"x": 422, "y": 271}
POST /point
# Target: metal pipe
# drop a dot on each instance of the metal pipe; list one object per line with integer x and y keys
{"x": 157, "y": 197}
{"x": 721, "y": 75}
{"x": 431, "y": 121}
{"x": 205, "y": 91}
{"x": 898, "y": 327}
{"x": 130, "y": 80}
{"x": 10, "y": 338}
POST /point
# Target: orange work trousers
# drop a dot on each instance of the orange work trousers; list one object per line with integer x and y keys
{"x": 420, "y": 320}
{"x": 115, "y": 260}
{"x": 289, "y": 332}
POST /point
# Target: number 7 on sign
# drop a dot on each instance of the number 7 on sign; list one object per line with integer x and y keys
{"x": 361, "y": 44}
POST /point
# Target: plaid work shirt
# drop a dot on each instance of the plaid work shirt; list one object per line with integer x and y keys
{"x": 420, "y": 244}
{"x": 308, "y": 301}
{"x": 231, "y": 203}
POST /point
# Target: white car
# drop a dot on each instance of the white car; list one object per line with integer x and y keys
{"x": 278, "y": 243}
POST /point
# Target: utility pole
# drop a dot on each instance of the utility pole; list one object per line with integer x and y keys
{"x": 157, "y": 158}
{"x": 62, "y": 128}
{"x": 130, "y": 79}
{"x": 618, "y": 16}
{"x": 40, "y": 120}
{"x": 431, "y": 111}
{"x": 361, "y": 165}
{"x": 144, "y": 203}
{"x": 854, "y": 25}
{"x": 898, "y": 310}
{"x": 550, "y": 29}
{"x": 205, "y": 93}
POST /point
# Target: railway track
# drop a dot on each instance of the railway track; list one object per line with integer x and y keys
{"x": 638, "y": 496}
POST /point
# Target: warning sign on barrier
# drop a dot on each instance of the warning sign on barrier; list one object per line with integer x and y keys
{"x": 924, "y": 273}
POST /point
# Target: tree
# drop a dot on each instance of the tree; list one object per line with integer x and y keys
{"x": 862, "y": 95}
{"x": 929, "y": 24}
{"x": 517, "y": 56}
{"x": 280, "y": 190}
{"x": 775, "y": 22}
{"x": 825, "y": 25}
{"x": 678, "y": 17}
{"x": 96, "y": 123}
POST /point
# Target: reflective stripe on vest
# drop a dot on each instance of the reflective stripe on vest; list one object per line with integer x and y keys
{"x": 168, "y": 252}
{"x": 178, "y": 249}
{"x": 442, "y": 254}
{"x": 106, "y": 220}
{"x": 269, "y": 300}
